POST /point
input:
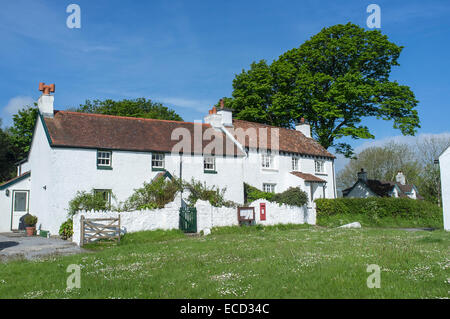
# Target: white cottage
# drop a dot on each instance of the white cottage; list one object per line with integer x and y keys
{"x": 444, "y": 164}
{"x": 73, "y": 152}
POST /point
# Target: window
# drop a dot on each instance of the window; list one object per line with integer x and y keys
{"x": 104, "y": 158}
{"x": 106, "y": 194}
{"x": 157, "y": 161}
{"x": 209, "y": 164}
{"x": 320, "y": 166}
{"x": 269, "y": 188}
{"x": 294, "y": 163}
{"x": 267, "y": 160}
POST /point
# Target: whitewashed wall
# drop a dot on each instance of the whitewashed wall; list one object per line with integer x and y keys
{"x": 444, "y": 163}
{"x": 6, "y": 203}
{"x": 207, "y": 217}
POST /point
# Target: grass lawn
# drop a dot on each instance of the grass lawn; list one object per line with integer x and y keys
{"x": 247, "y": 262}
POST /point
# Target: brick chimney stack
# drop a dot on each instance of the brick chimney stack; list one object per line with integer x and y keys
{"x": 45, "y": 102}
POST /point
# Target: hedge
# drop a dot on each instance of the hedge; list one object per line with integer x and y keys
{"x": 372, "y": 210}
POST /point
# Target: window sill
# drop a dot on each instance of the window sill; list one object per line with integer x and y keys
{"x": 323, "y": 174}
{"x": 210, "y": 172}
{"x": 108, "y": 168}
{"x": 267, "y": 169}
{"x": 158, "y": 169}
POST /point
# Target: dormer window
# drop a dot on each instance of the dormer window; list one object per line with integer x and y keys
{"x": 104, "y": 159}
{"x": 158, "y": 161}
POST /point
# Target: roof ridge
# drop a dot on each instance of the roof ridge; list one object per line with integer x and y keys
{"x": 127, "y": 117}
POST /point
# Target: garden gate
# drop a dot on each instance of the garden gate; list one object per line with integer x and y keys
{"x": 188, "y": 219}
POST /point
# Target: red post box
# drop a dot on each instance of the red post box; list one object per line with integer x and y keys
{"x": 262, "y": 211}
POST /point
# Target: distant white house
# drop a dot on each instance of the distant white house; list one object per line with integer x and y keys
{"x": 365, "y": 187}
{"x": 444, "y": 163}
{"x": 73, "y": 152}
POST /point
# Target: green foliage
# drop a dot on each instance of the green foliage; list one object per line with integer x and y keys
{"x": 66, "y": 229}
{"x": 140, "y": 107}
{"x": 215, "y": 195}
{"x": 378, "y": 211}
{"x": 293, "y": 196}
{"x": 252, "y": 193}
{"x": 153, "y": 195}
{"x": 88, "y": 201}
{"x": 22, "y": 130}
{"x": 7, "y": 156}
{"x": 333, "y": 80}
{"x": 30, "y": 220}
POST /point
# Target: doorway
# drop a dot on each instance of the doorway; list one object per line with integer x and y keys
{"x": 20, "y": 205}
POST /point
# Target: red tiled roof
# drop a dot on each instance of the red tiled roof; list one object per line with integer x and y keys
{"x": 309, "y": 177}
{"x": 291, "y": 141}
{"x": 83, "y": 130}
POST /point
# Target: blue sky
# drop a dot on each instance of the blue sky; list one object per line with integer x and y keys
{"x": 185, "y": 54}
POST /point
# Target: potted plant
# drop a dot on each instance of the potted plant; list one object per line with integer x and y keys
{"x": 30, "y": 224}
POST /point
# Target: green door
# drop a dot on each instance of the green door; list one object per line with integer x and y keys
{"x": 188, "y": 219}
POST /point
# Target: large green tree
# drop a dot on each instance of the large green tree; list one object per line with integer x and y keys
{"x": 139, "y": 107}
{"x": 7, "y": 156}
{"x": 334, "y": 80}
{"x": 21, "y": 131}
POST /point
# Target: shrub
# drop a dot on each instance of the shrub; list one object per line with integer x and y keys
{"x": 30, "y": 220}
{"x": 293, "y": 196}
{"x": 88, "y": 201}
{"x": 155, "y": 194}
{"x": 214, "y": 195}
{"x": 375, "y": 210}
{"x": 66, "y": 229}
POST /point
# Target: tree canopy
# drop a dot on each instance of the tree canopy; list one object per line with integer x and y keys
{"x": 334, "y": 80}
{"x": 139, "y": 107}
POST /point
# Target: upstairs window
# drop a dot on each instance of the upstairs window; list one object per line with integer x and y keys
{"x": 295, "y": 164}
{"x": 104, "y": 159}
{"x": 267, "y": 160}
{"x": 320, "y": 166}
{"x": 269, "y": 188}
{"x": 157, "y": 161}
{"x": 209, "y": 164}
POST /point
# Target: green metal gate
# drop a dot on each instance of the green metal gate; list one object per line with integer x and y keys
{"x": 188, "y": 219}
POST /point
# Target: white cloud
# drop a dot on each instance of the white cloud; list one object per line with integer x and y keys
{"x": 13, "y": 106}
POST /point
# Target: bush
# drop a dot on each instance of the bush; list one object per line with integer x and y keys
{"x": 88, "y": 201}
{"x": 153, "y": 195}
{"x": 293, "y": 196}
{"x": 66, "y": 229}
{"x": 30, "y": 220}
{"x": 214, "y": 195}
{"x": 379, "y": 211}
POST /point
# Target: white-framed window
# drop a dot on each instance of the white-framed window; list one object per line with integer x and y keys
{"x": 209, "y": 164}
{"x": 104, "y": 158}
{"x": 267, "y": 160}
{"x": 295, "y": 163}
{"x": 157, "y": 160}
{"x": 106, "y": 194}
{"x": 269, "y": 188}
{"x": 320, "y": 166}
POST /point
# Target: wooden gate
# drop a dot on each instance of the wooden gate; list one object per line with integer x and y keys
{"x": 188, "y": 219}
{"x": 95, "y": 229}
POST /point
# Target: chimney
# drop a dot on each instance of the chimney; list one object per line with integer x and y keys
{"x": 303, "y": 127}
{"x": 362, "y": 176}
{"x": 226, "y": 113}
{"x": 45, "y": 102}
{"x": 400, "y": 178}
{"x": 213, "y": 118}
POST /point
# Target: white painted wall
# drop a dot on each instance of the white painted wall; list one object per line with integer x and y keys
{"x": 6, "y": 202}
{"x": 284, "y": 214}
{"x": 256, "y": 175}
{"x": 444, "y": 163}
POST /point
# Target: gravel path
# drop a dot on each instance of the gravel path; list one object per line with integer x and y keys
{"x": 18, "y": 246}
